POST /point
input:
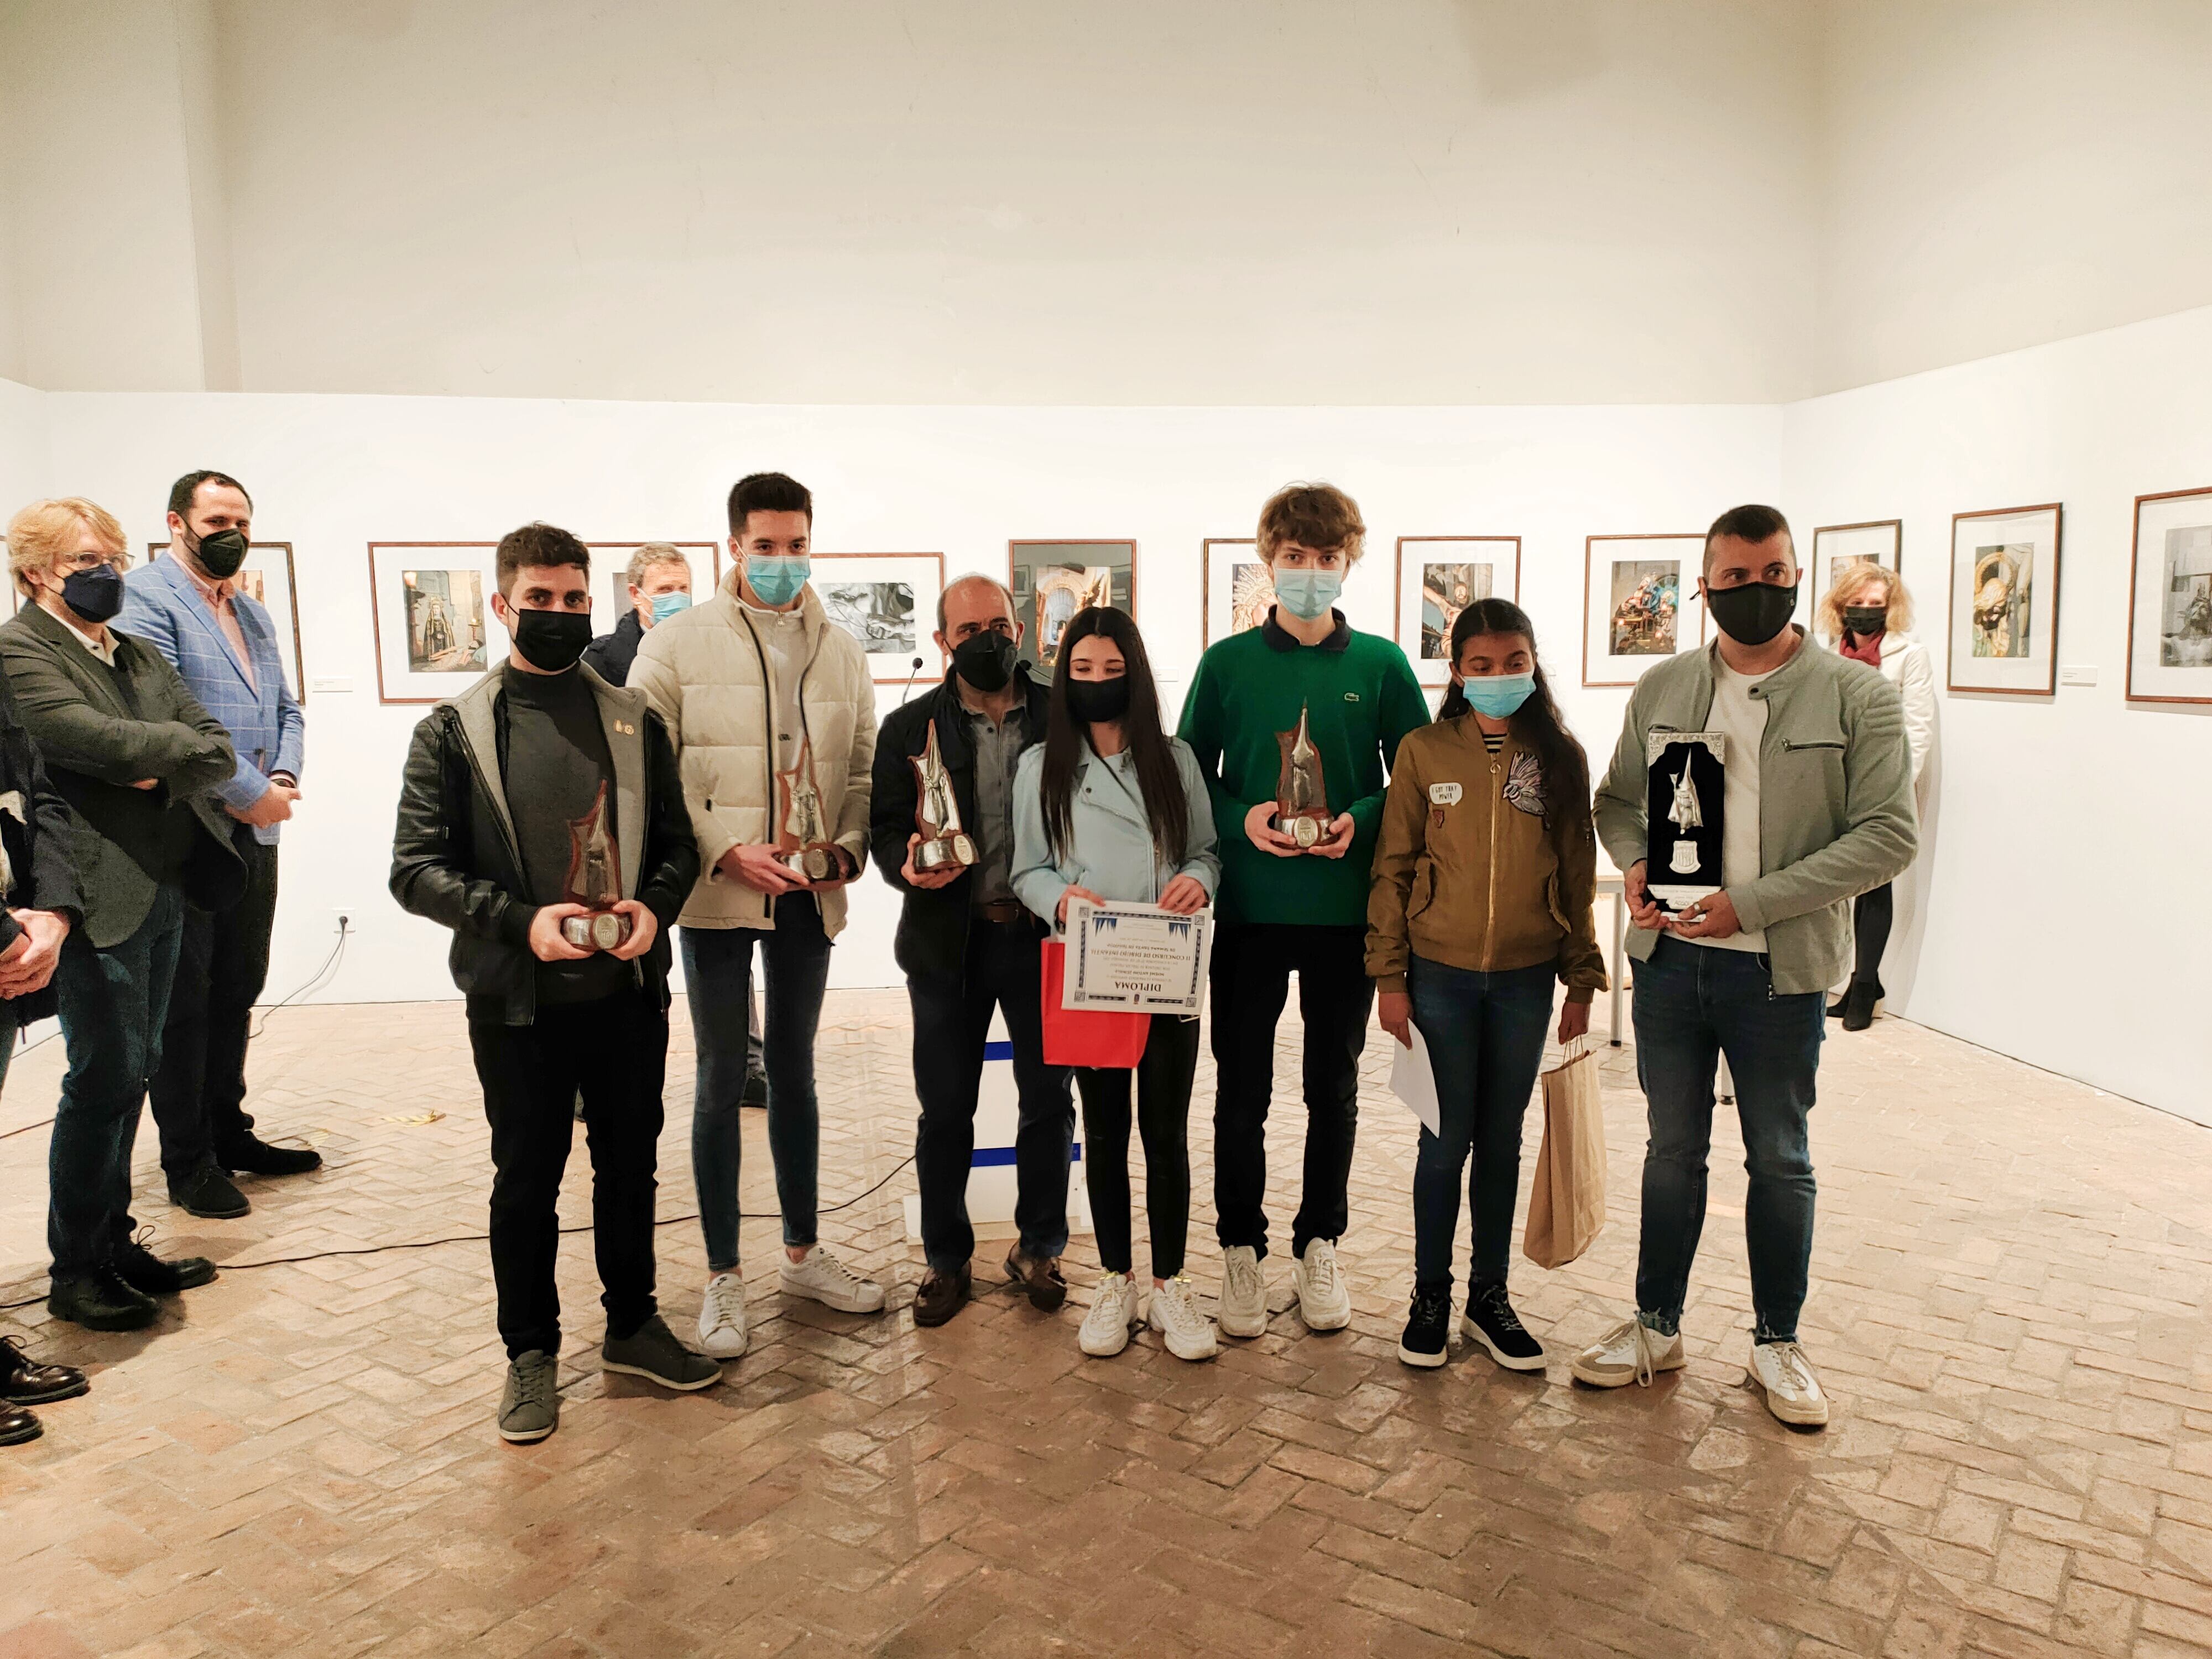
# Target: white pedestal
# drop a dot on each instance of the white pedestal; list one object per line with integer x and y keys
{"x": 991, "y": 1171}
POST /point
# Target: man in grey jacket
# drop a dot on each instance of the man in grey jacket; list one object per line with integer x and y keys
{"x": 1817, "y": 808}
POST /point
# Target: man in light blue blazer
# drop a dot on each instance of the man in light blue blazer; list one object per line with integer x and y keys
{"x": 188, "y": 603}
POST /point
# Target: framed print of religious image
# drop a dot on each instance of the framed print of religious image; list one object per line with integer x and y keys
{"x": 886, "y": 601}
{"x": 1837, "y": 547}
{"x": 610, "y": 576}
{"x": 1052, "y": 580}
{"x": 1438, "y": 577}
{"x": 1639, "y": 603}
{"x": 2004, "y": 600}
{"x": 1239, "y": 592}
{"x": 430, "y": 607}
{"x": 266, "y": 577}
{"x": 2170, "y": 599}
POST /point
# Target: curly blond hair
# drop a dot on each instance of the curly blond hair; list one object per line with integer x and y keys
{"x": 1851, "y": 586}
{"x": 44, "y": 530}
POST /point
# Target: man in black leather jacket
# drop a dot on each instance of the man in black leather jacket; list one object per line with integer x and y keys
{"x": 515, "y": 793}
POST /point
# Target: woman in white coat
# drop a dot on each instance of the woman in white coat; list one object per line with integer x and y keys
{"x": 1868, "y": 613}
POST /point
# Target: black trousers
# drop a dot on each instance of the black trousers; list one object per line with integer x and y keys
{"x": 614, "y": 1053}
{"x": 1249, "y": 983}
{"x": 1871, "y": 918}
{"x": 952, "y": 1024}
{"x": 1163, "y": 1081}
{"x": 198, "y": 1093}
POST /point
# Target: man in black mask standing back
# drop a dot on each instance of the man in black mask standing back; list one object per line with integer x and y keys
{"x": 966, "y": 944}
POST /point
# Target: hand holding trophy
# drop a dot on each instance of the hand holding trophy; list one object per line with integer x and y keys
{"x": 802, "y": 829}
{"x": 1301, "y": 795}
{"x": 595, "y": 881}
{"x": 944, "y": 845}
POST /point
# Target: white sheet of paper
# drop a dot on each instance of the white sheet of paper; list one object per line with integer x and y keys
{"x": 1413, "y": 1080}
{"x": 1136, "y": 959}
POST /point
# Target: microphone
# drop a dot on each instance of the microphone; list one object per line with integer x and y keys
{"x": 908, "y": 691}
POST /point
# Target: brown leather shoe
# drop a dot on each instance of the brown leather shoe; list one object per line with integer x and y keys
{"x": 17, "y": 1426}
{"x": 1041, "y": 1278}
{"x": 941, "y": 1296}
{"x": 24, "y": 1382}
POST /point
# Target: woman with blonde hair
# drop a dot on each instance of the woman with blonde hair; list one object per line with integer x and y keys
{"x": 1867, "y": 614}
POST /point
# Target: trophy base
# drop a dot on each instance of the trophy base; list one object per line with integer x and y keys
{"x": 1305, "y": 831}
{"x": 810, "y": 863}
{"x": 934, "y": 855}
{"x": 1671, "y": 896}
{"x": 602, "y": 930}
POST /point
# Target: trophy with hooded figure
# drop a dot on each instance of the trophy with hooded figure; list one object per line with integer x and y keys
{"x": 936, "y": 813}
{"x": 595, "y": 881}
{"x": 1301, "y": 798}
{"x": 1686, "y": 804}
{"x": 802, "y": 829}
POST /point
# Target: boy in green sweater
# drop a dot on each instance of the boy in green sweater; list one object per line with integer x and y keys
{"x": 1285, "y": 906}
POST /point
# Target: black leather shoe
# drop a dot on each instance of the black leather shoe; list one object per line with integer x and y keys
{"x": 209, "y": 1192}
{"x": 253, "y": 1156}
{"x": 941, "y": 1296}
{"x": 17, "y": 1426}
{"x": 24, "y": 1382}
{"x": 1858, "y": 1006}
{"x": 148, "y": 1274}
{"x": 101, "y": 1301}
{"x": 1041, "y": 1277}
{"x": 755, "y": 1093}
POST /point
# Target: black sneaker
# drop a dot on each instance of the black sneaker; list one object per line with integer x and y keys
{"x": 651, "y": 1352}
{"x": 1427, "y": 1326}
{"x": 1491, "y": 1322}
{"x": 148, "y": 1274}
{"x": 24, "y": 1382}
{"x": 208, "y": 1192}
{"x": 253, "y": 1156}
{"x": 99, "y": 1302}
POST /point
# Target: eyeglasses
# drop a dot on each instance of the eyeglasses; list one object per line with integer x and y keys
{"x": 75, "y": 563}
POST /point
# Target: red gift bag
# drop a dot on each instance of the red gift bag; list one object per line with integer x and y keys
{"x": 1106, "y": 1041}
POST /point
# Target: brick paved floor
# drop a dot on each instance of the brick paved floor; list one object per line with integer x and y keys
{"x": 2010, "y": 1305}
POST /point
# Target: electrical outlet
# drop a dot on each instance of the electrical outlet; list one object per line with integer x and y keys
{"x": 345, "y": 920}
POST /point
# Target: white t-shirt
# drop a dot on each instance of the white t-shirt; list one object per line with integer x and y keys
{"x": 1742, "y": 719}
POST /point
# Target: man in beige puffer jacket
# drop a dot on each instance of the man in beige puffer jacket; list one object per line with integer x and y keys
{"x": 755, "y": 683}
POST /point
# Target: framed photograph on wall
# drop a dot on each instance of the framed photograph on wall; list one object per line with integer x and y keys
{"x": 430, "y": 607}
{"x": 1439, "y": 576}
{"x": 1639, "y": 603}
{"x": 266, "y": 575}
{"x": 887, "y": 601}
{"x": 610, "y": 576}
{"x": 1238, "y": 594}
{"x": 2004, "y": 600}
{"x": 1052, "y": 580}
{"x": 2170, "y": 599}
{"x": 1837, "y": 547}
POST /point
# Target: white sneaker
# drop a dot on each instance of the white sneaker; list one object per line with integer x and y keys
{"x": 1793, "y": 1392}
{"x": 1188, "y": 1333}
{"x": 820, "y": 1277}
{"x": 1632, "y": 1352}
{"x": 1324, "y": 1299}
{"x": 1113, "y": 1316}
{"x": 722, "y": 1317}
{"x": 1243, "y": 1293}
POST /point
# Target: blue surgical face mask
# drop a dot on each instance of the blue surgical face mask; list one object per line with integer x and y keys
{"x": 665, "y": 605}
{"x": 1499, "y": 696}
{"x": 1308, "y": 594}
{"x": 775, "y": 579}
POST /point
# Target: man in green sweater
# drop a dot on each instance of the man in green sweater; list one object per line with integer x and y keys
{"x": 1302, "y": 686}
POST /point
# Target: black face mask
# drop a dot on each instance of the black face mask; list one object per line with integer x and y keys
{"x": 1093, "y": 703}
{"x": 220, "y": 553}
{"x": 985, "y": 660}
{"x": 551, "y": 639}
{"x": 1865, "y": 621}
{"x": 1751, "y": 613}
{"x": 95, "y": 594}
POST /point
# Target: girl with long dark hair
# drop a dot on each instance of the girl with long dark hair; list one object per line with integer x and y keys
{"x": 1109, "y": 806}
{"x": 1484, "y": 880}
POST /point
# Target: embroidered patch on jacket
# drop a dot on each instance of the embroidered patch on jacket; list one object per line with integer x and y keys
{"x": 1444, "y": 794}
{"x": 1524, "y": 784}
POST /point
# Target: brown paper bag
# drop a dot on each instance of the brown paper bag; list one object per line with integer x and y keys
{"x": 1566, "y": 1204}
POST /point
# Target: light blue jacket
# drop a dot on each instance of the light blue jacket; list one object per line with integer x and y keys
{"x": 162, "y": 606}
{"x": 1110, "y": 839}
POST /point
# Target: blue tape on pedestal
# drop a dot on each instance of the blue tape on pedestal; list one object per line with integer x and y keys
{"x": 988, "y": 1157}
{"x": 998, "y": 1051}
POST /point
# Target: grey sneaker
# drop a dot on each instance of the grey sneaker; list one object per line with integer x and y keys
{"x": 652, "y": 1352}
{"x": 529, "y": 1406}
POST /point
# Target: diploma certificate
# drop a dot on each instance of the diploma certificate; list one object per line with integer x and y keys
{"x": 1135, "y": 958}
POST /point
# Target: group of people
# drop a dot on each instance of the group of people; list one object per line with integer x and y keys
{"x": 716, "y": 772}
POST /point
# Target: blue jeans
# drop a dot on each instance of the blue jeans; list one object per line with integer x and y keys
{"x": 113, "y": 1005}
{"x": 717, "y": 967}
{"x": 1485, "y": 1037}
{"x": 1693, "y": 1004}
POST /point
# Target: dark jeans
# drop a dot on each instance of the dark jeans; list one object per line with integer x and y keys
{"x": 1486, "y": 1038}
{"x": 1163, "y": 1083}
{"x": 951, "y": 1025}
{"x": 717, "y": 966}
{"x": 113, "y": 1005}
{"x": 198, "y": 1093}
{"x": 1249, "y": 983}
{"x": 1870, "y": 918}
{"x": 1693, "y": 1004}
{"x": 614, "y": 1053}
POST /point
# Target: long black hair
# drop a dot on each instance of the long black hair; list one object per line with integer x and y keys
{"x": 1536, "y": 726}
{"x": 1067, "y": 740}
